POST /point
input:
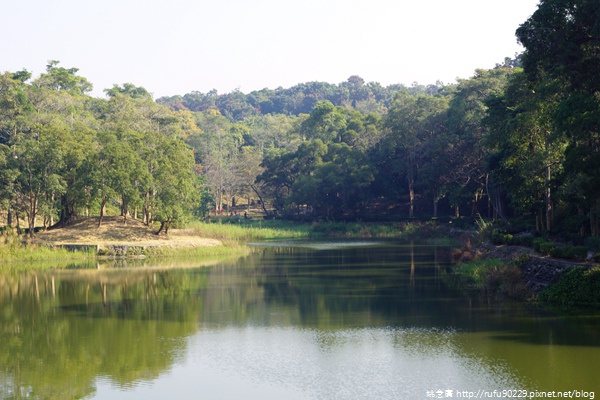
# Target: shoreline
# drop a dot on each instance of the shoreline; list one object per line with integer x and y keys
{"x": 519, "y": 273}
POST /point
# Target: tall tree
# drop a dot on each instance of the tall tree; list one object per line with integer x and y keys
{"x": 60, "y": 78}
{"x": 562, "y": 42}
{"x": 38, "y": 157}
{"x": 466, "y": 147}
{"x": 413, "y": 121}
{"x": 527, "y": 150}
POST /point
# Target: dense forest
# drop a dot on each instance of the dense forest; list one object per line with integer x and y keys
{"x": 520, "y": 141}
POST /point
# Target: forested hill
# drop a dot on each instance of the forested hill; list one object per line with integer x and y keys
{"x": 299, "y": 99}
{"x": 517, "y": 142}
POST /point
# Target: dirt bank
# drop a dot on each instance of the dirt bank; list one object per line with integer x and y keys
{"x": 114, "y": 231}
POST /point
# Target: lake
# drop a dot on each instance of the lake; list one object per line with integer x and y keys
{"x": 359, "y": 319}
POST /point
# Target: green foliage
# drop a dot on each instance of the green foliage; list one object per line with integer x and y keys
{"x": 240, "y": 230}
{"x": 577, "y": 286}
{"x": 60, "y": 78}
{"x": 562, "y": 41}
{"x": 537, "y": 243}
{"x": 501, "y": 238}
{"x": 476, "y": 272}
{"x": 64, "y": 153}
{"x": 569, "y": 252}
{"x": 493, "y": 278}
{"x": 506, "y": 143}
{"x": 13, "y": 251}
{"x": 298, "y": 99}
{"x": 548, "y": 248}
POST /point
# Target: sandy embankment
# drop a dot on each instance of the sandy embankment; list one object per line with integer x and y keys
{"x": 114, "y": 232}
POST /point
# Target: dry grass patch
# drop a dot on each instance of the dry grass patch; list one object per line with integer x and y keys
{"x": 114, "y": 231}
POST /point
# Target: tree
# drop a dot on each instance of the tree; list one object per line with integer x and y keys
{"x": 175, "y": 184}
{"x": 282, "y": 169}
{"x": 562, "y": 43}
{"x": 562, "y": 39}
{"x": 325, "y": 122}
{"x": 466, "y": 147}
{"x": 13, "y": 104}
{"x": 59, "y": 78}
{"x": 526, "y": 149}
{"x": 38, "y": 157}
{"x": 336, "y": 186}
{"x": 129, "y": 89}
{"x": 216, "y": 149}
{"x": 413, "y": 121}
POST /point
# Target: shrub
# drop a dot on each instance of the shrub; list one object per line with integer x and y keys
{"x": 548, "y": 248}
{"x": 574, "y": 252}
{"x": 578, "y": 286}
{"x": 501, "y": 238}
{"x": 523, "y": 240}
{"x": 536, "y": 244}
{"x": 556, "y": 251}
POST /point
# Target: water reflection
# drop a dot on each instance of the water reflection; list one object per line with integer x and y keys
{"x": 365, "y": 321}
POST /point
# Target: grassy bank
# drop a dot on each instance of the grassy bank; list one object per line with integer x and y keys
{"x": 242, "y": 230}
{"x": 234, "y": 233}
{"x": 238, "y": 230}
{"x": 493, "y": 278}
{"x": 13, "y": 250}
{"x": 229, "y": 250}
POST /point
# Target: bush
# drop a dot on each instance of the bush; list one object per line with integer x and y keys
{"x": 578, "y": 286}
{"x": 501, "y": 238}
{"x": 574, "y": 252}
{"x": 537, "y": 243}
{"x": 523, "y": 240}
{"x": 548, "y": 248}
{"x": 556, "y": 251}
{"x": 567, "y": 252}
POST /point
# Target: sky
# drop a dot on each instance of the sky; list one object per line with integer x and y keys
{"x": 173, "y": 47}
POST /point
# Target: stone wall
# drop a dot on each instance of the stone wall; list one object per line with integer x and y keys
{"x": 539, "y": 272}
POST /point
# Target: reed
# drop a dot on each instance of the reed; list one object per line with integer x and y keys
{"x": 13, "y": 250}
{"x": 241, "y": 231}
{"x": 231, "y": 250}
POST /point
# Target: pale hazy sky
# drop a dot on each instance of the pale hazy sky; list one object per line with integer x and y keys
{"x": 177, "y": 46}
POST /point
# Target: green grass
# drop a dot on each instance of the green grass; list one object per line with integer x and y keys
{"x": 13, "y": 251}
{"x": 494, "y": 278}
{"x": 476, "y": 272}
{"x": 240, "y": 230}
{"x": 15, "y": 255}
{"x": 233, "y": 232}
{"x": 197, "y": 252}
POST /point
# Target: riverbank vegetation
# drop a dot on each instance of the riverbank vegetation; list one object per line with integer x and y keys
{"x": 517, "y": 142}
{"x": 493, "y": 278}
{"x": 576, "y": 287}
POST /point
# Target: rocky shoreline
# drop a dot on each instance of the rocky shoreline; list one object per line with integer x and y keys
{"x": 537, "y": 272}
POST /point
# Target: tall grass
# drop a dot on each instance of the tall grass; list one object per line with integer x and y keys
{"x": 13, "y": 250}
{"x": 228, "y": 251}
{"x": 240, "y": 230}
{"x": 476, "y": 272}
{"x": 494, "y": 278}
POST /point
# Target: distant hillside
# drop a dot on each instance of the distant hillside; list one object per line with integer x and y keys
{"x": 299, "y": 99}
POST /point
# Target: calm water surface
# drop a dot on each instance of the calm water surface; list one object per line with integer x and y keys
{"x": 296, "y": 320}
